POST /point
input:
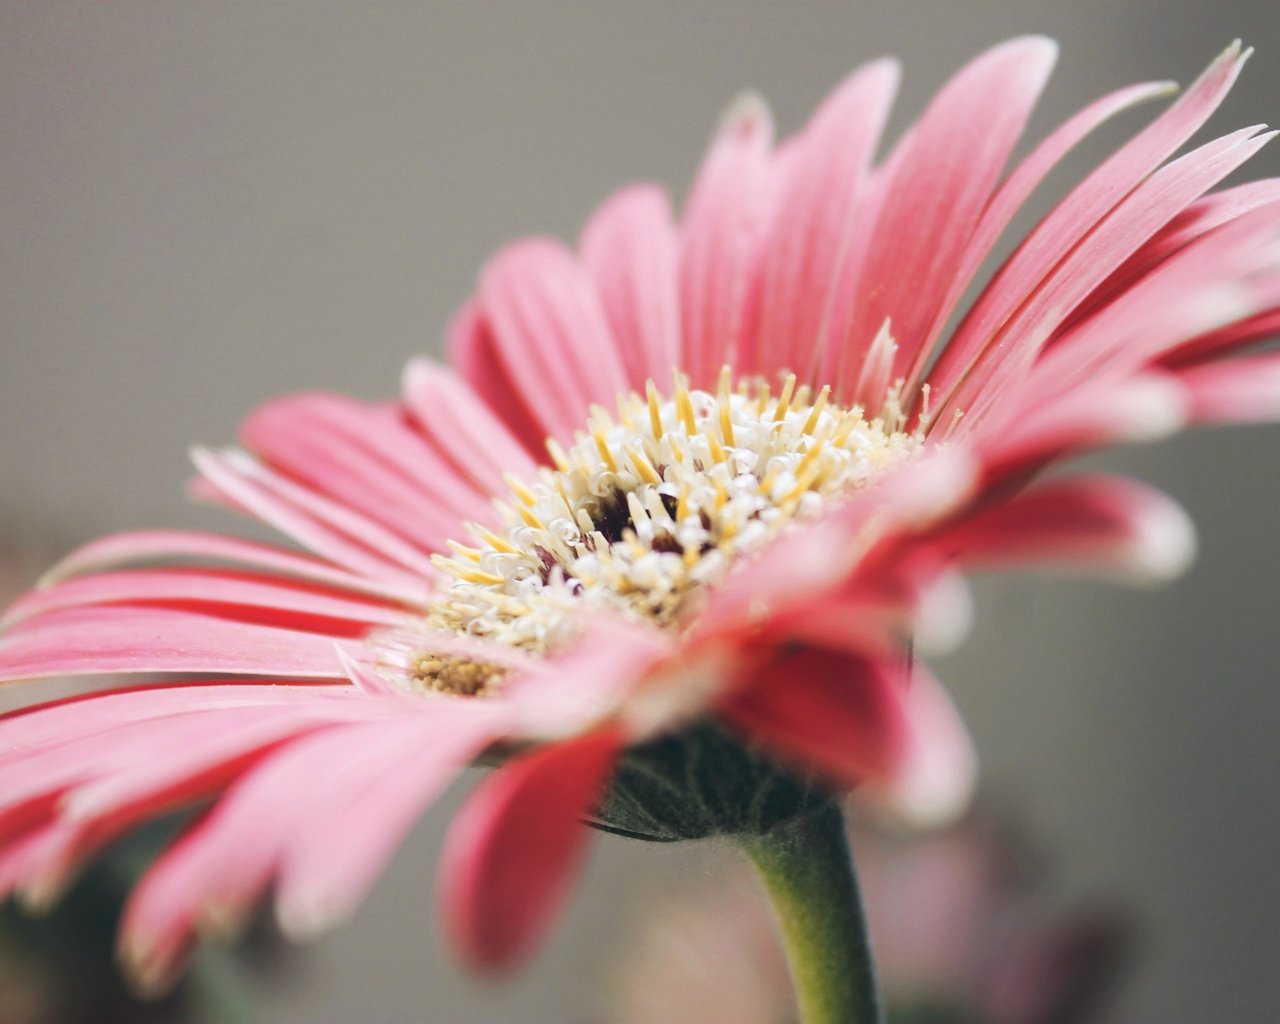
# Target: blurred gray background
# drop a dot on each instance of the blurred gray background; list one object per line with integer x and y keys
{"x": 206, "y": 204}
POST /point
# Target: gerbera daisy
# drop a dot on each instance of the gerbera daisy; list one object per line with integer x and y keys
{"x": 662, "y": 537}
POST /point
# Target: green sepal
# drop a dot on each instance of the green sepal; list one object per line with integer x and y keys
{"x": 700, "y": 782}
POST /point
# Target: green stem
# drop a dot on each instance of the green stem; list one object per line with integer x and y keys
{"x": 807, "y": 870}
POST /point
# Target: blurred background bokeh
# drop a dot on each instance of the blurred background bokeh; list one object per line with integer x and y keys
{"x": 204, "y": 205}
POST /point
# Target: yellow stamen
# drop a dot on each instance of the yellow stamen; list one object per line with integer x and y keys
{"x": 647, "y": 473}
{"x": 493, "y": 540}
{"x": 474, "y": 554}
{"x": 684, "y": 405}
{"x": 804, "y": 480}
{"x": 784, "y": 399}
{"x": 766, "y": 482}
{"x": 655, "y": 410}
{"x": 558, "y": 455}
{"x": 602, "y": 446}
{"x": 726, "y": 420}
{"x": 811, "y": 456}
{"x": 713, "y": 442}
{"x": 818, "y": 406}
{"x": 624, "y": 412}
{"x": 465, "y": 573}
{"x": 762, "y": 402}
{"x": 847, "y": 426}
{"x": 520, "y": 490}
{"x": 480, "y": 576}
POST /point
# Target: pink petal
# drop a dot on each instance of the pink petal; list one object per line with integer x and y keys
{"x": 470, "y": 345}
{"x": 1241, "y": 391}
{"x": 1013, "y": 193}
{"x": 21, "y": 854}
{"x": 330, "y": 528}
{"x": 550, "y": 333}
{"x": 840, "y": 714}
{"x": 629, "y": 249}
{"x": 903, "y": 591}
{"x": 805, "y": 566}
{"x": 719, "y": 232}
{"x": 938, "y": 774}
{"x": 1081, "y": 524}
{"x": 1030, "y": 433}
{"x": 1223, "y": 278}
{"x": 459, "y": 423}
{"x": 179, "y": 760}
{"x": 236, "y": 595}
{"x": 107, "y": 639}
{"x": 182, "y": 764}
{"x": 1237, "y": 335}
{"x": 357, "y": 819}
{"x": 222, "y": 865}
{"x": 514, "y": 847}
{"x": 591, "y": 680}
{"x": 1078, "y": 214}
{"x": 1150, "y": 206}
{"x": 363, "y": 677}
{"x": 29, "y": 728}
{"x": 937, "y": 196}
{"x": 109, "y": 777}
{"x": 88, "y": 755}
{"x": 365, "y": 458}
{"x": 53, "y": 860}
{"x": 807, "y": 235}
{"x": 1197, "y": 220}
{"x": 156, "y": 545}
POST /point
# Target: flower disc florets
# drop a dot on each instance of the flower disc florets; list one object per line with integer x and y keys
{"x": 644, "y": 511}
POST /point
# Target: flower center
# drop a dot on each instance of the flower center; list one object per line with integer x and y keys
{"x": 644, "y": 512}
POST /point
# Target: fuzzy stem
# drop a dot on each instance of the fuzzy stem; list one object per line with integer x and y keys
{"x": 807, "y": 869}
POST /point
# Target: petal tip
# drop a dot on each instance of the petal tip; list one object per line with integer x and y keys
{"x": 747, "y": 115}
{"x": 1165, "y": 543}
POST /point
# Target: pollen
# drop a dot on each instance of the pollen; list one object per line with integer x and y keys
{"x": 643, "y": 514}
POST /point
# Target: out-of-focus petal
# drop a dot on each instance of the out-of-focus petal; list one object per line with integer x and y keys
{"x": 824, "y": 710}
{"x": 515, "y": 846}
{"x": 1085, "y": 524}
{"x": 472, "y": 349}
{"x": 123, "y": 639}
{"x": 368, "y": 459}
{"x": 937, "y": 196}
{"x": 236, "y": 595}
{"x": 1242, "y": 391}
{"x": 808, "y": 233}
{"x": 551, "y": 334}
{"x": 938, "y": 772}
{"x": 1078, "y": 214}
{"x": 443, "y": 405}
{"x": 630, "y": 249}
{"x": 176, "y": 545}
{"x": 719, "y": 231}
{"x": 1013, "y": 193}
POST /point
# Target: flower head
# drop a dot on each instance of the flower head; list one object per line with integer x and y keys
{"x": 739, "y": 465}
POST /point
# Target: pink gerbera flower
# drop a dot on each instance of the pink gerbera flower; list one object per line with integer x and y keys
{"x": 739, "y": 463}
